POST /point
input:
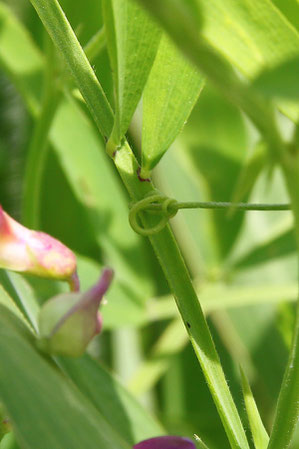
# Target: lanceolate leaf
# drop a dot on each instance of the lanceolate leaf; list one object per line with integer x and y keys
{"x": 258, "y": 34}
{"x": 170, "y": 94}
{"x": 132, "y": 40}
{"x": 22, "y": 294}
{"x": 111, "y": 399}
{"x": 45, "y": 410}
{"x": 259, "y": 433}
{"x": 281, "y": 81}
{"x": 217, "y": 68}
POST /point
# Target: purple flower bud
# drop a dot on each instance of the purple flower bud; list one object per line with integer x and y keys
{"x": 35, "y": 252}
{"x": 68, "y": 322}
{"x": 166, "y": 442}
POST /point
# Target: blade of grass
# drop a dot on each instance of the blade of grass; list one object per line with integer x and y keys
{"x": 259, "y": 433}
{"x": 287, "y": 410}
{"x": 38, "y": 146}
{"x": 164, "y": 243}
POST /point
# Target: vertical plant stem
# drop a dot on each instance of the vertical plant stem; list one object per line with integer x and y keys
{"x": 164, "y": 243}
{"x": 287, "y": 410}
{"x": 38, "y": 146}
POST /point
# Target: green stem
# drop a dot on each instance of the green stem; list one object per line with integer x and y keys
{"x": 230, "y": 205}
{"x": 168, "y": 207}
{"x": 73, "y": 55}
{"x": 38, "y": 146}
{"x": 287, "y": 410}
{"x": 177, "y": 275}
{"x": 164, "y": 243}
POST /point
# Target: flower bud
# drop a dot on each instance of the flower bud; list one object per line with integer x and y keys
{"x": 35, "y": 252}
{"x": 68, "y": 322}
{"x": 166, "y": 442}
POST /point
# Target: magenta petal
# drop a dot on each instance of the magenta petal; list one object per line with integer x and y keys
{"x": 166, "y": 442}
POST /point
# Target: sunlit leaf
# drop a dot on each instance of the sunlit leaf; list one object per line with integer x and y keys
{"x": 170, "y": 94}
{"x": 131, "y": 58}
{"x": 259, "y": 433}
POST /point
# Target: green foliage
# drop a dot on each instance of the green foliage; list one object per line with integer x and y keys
{"x": 242, "y": 264}
{"x": 259, "y": 434}
{"x": 169, "y": 97}
{"x": 280, "y": 82}
{"x": 131, "y": 58}
{"x": 67, "y": 420}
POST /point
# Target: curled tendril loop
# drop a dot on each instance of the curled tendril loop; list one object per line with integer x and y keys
{"x": 166, "y": 210}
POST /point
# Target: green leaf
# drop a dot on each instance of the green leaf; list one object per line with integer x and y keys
{"x": 281, "y": 81}
{"x": 111, "y": 399}
{"x": 95, "y": 185}
{"x": 220, "y": 297}
{"x": 200, "y": 443}
{"x": 249, "y": 173}
{"x": 92, "y": 90}
{"x": 20, "y": 57}
{"x": 259, "y": 433}
{"x": 22, "y": 294}
{"x": 214, "y": 140}
{"x": 5, "y": 300}
{"x": 132, "y": 39}
{"x": 169, "y": 96}
{"x": 171, "y": 342}
{"x": 192, "y": 230}
{"x": 287, "y": 408}
{"x": 259, "y": 35}
{"x": 57, "y": 415}
{"x": 290, "y": 9}
{"x": 214, "y": 65}
{"x": 276, "y": 247}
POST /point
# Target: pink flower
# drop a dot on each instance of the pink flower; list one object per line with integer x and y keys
{"x": 166, "y": 442}
{"x": 35, "y": 252}
{"x": 68, "y": 322}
